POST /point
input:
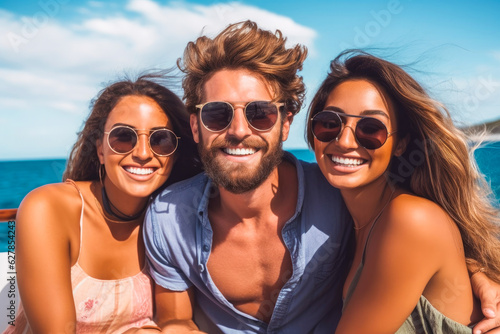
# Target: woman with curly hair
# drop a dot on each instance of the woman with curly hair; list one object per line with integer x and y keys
{"x": 80, "y": 255}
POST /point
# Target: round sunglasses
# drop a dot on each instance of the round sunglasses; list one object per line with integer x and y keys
{"x": 370, "y": 132}
{"x": 122, "y": 140}
{"x": 218, "y": 115}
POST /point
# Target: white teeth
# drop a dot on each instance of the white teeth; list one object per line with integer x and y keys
{"x": 239, "y": 151}
{"x": 139, "y": 171}
{"x": 348, "y": 162}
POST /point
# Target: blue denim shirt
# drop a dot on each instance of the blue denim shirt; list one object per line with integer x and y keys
{"x": 178, "y": 238}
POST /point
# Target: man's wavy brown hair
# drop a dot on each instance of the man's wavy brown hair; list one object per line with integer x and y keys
{"x": 244, "y": 45}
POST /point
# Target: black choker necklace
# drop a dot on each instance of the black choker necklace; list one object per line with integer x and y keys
{"x": 106, "y": 203}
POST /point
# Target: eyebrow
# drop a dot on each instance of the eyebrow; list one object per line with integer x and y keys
{"x": 368, "y": 112}
{"x": 133, "y": 127}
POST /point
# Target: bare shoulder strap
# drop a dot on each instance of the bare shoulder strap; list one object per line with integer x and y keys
{"x": 81, "y": 215}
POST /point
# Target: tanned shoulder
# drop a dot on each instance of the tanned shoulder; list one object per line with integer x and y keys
{"x": 416, "y": 222}
{"x": 48, "y": 205}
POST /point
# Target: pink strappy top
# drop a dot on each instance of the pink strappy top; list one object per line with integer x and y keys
{"x": 103, "y": 306}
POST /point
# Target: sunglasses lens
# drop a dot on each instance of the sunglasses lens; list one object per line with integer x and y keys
{"x": 163, "y": 142}
{"x": 216, "y": 116}
{"x": 326, "y": 126}
{"x": 371, "y": 133}
{"x": 122, "y": 139}
{"x": 261, "y": 115}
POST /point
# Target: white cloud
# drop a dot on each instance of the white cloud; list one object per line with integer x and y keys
{"x": 38, "y": 90}
{"x": 156, "y": 29}
{"x": 47, "y": 63}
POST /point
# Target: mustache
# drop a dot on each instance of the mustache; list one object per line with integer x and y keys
{"x": 232, "y": 141}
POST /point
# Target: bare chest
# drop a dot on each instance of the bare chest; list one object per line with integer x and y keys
{"x": 110, "y": 251}
{"x": 250, "y": 270}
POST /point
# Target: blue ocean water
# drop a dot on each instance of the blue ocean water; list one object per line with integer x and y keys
{"x": 488, "y": 160}
{"x": 18, "y": 178}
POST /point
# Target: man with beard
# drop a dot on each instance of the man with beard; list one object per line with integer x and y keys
{"x": 261, "y": 239}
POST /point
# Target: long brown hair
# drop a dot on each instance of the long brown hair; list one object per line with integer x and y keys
{"x": 245, "y": 45}
{"x": 438, "y": 163}
{"x": 83, "y": 163}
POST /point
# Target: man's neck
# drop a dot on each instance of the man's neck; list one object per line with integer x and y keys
{"x": 274, "y": 197}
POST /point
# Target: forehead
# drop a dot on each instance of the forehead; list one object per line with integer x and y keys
{"x": 239, "y": 85}
{"x": 141, "y": 112}
{"x": 356, "y": 96}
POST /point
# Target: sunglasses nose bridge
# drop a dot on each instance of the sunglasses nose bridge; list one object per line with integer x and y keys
{"x": 346, "y": 138}
{"x": 237, "y": 106}
{"x": 239, "y": 126}
{"x": 142, "y": 148}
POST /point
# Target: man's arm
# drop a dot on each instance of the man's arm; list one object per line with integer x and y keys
{"x": 173, "y": 290}
{"x": 488, "y": 291}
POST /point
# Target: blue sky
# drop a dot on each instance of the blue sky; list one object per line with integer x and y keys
{"x": 55, "y": 55}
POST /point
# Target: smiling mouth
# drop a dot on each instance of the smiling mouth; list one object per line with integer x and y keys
{"x": 239, "y": 151}
{"x": 347, "y": 162}
{"x": 139, "y": 170}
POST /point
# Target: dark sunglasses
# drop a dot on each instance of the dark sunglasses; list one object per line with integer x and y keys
{"x": 122, "y": 140}
{"x": 370, "y": 132}
{"x": 218, "y": 115}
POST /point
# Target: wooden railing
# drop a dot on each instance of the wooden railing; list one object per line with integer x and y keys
{"x": 7, "y": 214}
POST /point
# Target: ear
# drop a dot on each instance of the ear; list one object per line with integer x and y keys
{"x": 401, "y": 145}
{"x": 287, "y": 122}
{"x": 193, "y": 121}
{"x": 100, "y": 153}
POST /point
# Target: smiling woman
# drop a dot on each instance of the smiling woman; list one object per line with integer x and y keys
{"x": 416, "y": 228}
{"x": 78, "y": 243}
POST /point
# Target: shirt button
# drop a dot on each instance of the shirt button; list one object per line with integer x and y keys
{"x": 201, "y": 267}
{"x": 206, "y": 248}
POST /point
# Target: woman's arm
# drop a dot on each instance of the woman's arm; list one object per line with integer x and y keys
{"x": 43, "y": 257}
{"x": 174, "y": 310}
{"x": 404, "y": 252}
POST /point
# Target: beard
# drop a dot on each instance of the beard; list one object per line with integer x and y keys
{"x": 240, "y": 178}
